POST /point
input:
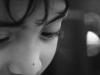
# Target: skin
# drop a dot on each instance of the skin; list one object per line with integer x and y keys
{"x": 27, "y": 53}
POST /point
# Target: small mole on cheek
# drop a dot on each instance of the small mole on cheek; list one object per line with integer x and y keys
{"x": 33, "y": 64}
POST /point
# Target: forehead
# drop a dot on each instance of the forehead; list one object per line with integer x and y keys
{"x": 19, "y": 7}
{"x": 57, "y": 5}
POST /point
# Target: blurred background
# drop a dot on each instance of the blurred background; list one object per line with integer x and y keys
{"x": 78, "y": 53}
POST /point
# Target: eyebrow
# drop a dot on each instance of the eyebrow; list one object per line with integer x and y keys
{"x": 19, "y": 24}
{"x": 61, "y": 14}
{"x": 16, "y": 25}
{"x": 55, "y": 19}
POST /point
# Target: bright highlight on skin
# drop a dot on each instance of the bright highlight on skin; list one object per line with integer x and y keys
{"x": 93, "y": 44}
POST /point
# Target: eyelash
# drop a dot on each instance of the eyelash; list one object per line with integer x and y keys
{"x": 4, "y": 40}
{"x": 45, "y": 36}
{"x": 49, "y": 35}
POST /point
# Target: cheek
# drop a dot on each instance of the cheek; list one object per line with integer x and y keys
{"x": 47, "y": 53}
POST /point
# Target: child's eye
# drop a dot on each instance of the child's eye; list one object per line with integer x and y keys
{"x": 4, "y": 40}
{"x": 50, "y": 35}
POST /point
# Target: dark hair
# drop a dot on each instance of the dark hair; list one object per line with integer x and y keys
{"x": 32, "y": 5}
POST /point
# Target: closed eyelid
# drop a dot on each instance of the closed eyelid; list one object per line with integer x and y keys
{"x": 54, "y": 27}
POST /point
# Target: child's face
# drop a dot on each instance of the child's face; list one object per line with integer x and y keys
{"x": 26, "y": 50}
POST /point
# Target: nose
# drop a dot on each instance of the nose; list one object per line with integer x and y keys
{"x": 25, "y": 68}
{"x": 25, "y": 59}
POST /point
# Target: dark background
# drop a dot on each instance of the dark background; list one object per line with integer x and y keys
{"x": 71, "y": 56}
